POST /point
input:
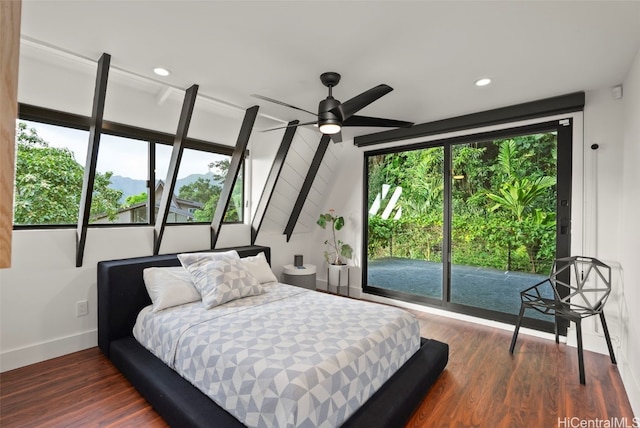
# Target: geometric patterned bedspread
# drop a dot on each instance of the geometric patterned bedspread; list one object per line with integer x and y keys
{"x": 289, "y": 357}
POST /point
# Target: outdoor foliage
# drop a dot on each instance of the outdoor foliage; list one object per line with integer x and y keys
{"x": 136, "y": 199}
{"x": 207, "y": 192}
{"x": 503, "y": 204}
{"x": 49, "y": 183}
{"x": 49, "y": 187}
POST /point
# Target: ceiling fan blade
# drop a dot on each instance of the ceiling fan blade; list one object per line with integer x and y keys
{"x": 337, "y": 137}
{"x": 350, "y": 107}
{"x": 271, "y": 100}
{"x": 289, "y": 126}
{"x": 376, "y": 122}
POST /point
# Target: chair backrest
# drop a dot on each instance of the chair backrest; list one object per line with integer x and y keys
{"x": 588, "y": 283}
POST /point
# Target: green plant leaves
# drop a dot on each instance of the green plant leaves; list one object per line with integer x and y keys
{"x": 340, "y": 249}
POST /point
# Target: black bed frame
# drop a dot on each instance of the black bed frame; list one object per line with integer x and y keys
{"x": 122, "y": 294}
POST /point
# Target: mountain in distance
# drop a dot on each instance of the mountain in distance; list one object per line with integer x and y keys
{"x": 132, "y": 186}
{"x": 128, "y": 186}
{"x": 193, "y": 177}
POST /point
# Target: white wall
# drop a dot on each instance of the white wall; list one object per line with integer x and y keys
{"x": 38, "y": 294}
{"x": 62, "y": 81}
{"x": 629, "y": 230}
{"x": 602, "y": 199}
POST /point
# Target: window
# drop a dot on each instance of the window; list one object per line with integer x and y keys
{"x": 198, "y": 185}
{"x": 120, "y": 186}
{"x": 467, "y": 223}
{"x": 50, "y": 171}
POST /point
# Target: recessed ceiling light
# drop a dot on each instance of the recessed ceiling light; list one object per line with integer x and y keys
{"x": 483, "y": 82}
{"x": 161, "y": 71}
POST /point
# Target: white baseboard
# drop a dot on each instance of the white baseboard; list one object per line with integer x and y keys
{"x": 631, "y": 385}
{"x": 591, "y": 341}
{"x": 20, "y": 357}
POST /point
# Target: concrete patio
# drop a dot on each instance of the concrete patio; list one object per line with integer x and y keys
{"x": 480, "y": 287}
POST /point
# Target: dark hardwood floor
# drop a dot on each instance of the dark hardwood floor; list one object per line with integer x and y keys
{"x": 482, "y": 386}
{"x": 485, "y": 386}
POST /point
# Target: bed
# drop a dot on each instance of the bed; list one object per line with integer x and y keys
{"x": 122, "y": 295}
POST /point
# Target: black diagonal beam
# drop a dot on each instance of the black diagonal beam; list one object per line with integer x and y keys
{"x": 306, "y": 186}
{"x": 272, "y": 179}
{"x": 174, "y": 163}
{"x": 232, "y": 174}
{"x": 151, "y": 184}
{"x": 95, "y": 130}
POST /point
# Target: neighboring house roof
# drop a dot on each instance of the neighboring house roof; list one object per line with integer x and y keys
{"x": 175, "y": 201}
{"x": 177, "y": 206}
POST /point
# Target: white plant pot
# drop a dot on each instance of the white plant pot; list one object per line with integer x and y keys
{"x": 338, "y": 279}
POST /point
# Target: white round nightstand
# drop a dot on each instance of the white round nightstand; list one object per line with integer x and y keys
{"x": 303, "y": 276}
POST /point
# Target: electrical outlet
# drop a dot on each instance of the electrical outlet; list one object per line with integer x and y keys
{"x": 82, "y": 308}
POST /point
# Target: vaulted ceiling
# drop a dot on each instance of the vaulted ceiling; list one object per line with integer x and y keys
{"x": 429, "y": 52}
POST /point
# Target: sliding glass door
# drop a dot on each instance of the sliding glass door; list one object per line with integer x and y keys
{"x": 467, "y": 223}
{"x": 503, "y": 218}
{"x": 405, "y": 220}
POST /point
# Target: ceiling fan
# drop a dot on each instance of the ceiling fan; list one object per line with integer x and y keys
{"x": 332, "y": 115}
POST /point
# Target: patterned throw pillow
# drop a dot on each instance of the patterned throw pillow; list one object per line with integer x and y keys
{"x": 220, "y": 277}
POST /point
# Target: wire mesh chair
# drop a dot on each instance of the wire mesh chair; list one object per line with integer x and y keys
{"x": 582, "y": 295}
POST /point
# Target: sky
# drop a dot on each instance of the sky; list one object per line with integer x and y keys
{"x": 123, "y": 156}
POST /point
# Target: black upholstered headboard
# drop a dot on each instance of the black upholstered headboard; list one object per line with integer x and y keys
{"x": 122, "y": 293}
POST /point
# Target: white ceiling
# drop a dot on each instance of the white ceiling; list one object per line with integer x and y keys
{"x": 429, "y": 52}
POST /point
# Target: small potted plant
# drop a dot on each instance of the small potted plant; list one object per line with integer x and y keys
{"x": 337, "y": 252}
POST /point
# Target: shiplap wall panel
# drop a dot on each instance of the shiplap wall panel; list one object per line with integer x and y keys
{"x": 295, "y": 163}
{"x": 307, "y": 144}
{"x": 294, "y": 171}
{"x": 314, "y": 194}
{"x": 288, "y": 187}
{"x": 286, "y": 190}
{"x": 291, "y": 176}
{"x": 324, "y": 176}
{"x": 312, "y": 209}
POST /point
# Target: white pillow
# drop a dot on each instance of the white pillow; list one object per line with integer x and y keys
{"x": 169, "y": 286}
{"x": 220, "y": 277}
{"x": 259, "y": 267}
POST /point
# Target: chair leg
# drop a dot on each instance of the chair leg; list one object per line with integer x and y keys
{"x": 555, "y": 328}
{"x": 580, "y": 354}
{"x": 608, "y": 338}
{"x": 515, "y": 332}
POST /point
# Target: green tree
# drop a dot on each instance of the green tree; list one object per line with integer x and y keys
{"x": 234, "y": 209}
{"x": 136, "y": 199}
{"x": 519, "y": 197}
{"x": 503, "y": 203}
{"x": 49, "y": 183}
{"x": 207, "y": 192}
{"x": 201, "y": 190}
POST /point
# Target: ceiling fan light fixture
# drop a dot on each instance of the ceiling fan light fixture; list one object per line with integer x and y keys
{"x": 333, "y": 115}
{"x": 330, "y": 128}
